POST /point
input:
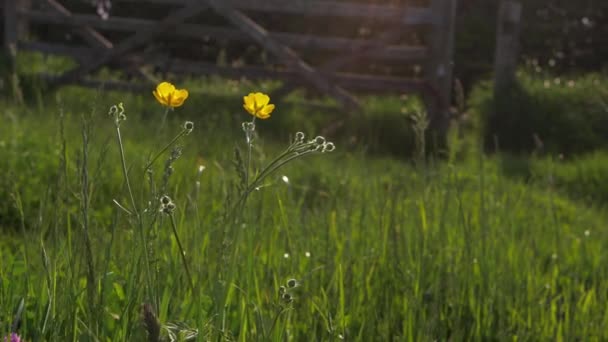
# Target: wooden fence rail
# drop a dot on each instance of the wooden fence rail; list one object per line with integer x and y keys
{"x": 402, "y": 38}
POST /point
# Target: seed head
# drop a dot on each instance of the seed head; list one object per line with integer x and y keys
{"x": 287, "y": 298}
{"x": 319, "y": 140}
{"x": 188, "y": 126}
{"x": 299, "y": 137}
{"x": 164, "y": 200}
{"x": 328, "y": 147}
{"x": 291, "y": 283}
{"x": 169, "y": 208}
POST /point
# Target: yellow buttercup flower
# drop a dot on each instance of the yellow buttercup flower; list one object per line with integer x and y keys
{"x": 257, "y": 104}
{"x": 167, "y": 95}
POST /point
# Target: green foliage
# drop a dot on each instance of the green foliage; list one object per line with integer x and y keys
{"x": 583, "y": 178}
{"x": 558, "y": 115}
{"x": 378, "y": 249}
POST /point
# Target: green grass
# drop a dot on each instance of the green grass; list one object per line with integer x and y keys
{"x": 544, "y": 112}
{"x": 380, "y": 249}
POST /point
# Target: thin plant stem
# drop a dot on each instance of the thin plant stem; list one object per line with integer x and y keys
{"x": 164, "y": 149}
{"x": 91, "y": 281}
{"x": 163, "y": 120}
{"x": 124, "y": 170}
{"x": 137, "y": 214}
{"x": 181, "y": 250}
{"x": 282, "y": 159}
{"x": 249, "y": 148}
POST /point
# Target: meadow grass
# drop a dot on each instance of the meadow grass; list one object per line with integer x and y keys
{"x": 341, "y": 246}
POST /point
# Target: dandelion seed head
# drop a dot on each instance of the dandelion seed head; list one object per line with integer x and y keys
{"x": 307, "y": 254}
{"x": 286, "y": 255}
{"x": 285, "y": 179}
{"x": 587, "y": 233}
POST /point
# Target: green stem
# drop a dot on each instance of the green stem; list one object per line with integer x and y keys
{"x": 249, "y": 136}
{"x": 181, "y": 250}
{"x": 163, "y": 120}
{"x": 179, "y": 135}
{"x": 137, "y": 214}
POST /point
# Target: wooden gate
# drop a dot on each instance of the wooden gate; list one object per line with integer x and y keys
{"x": 347, "y": 46}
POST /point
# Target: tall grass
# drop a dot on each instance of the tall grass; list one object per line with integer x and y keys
{"x": 339, "y": 246}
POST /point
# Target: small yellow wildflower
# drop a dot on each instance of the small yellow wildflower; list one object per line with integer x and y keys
{"x": 167, "y": 95}
{"x": 257, "y": 104}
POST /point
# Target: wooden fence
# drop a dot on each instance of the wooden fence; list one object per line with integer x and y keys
{"x": 405, "y": 48}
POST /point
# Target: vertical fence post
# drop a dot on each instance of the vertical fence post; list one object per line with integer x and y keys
{"x": 440, "y": 65}
{"x": 10, "y": 25}
{"x": 507, "y": 45}
{"x": 23, "y": 28}
{"x": 10, "y": 46}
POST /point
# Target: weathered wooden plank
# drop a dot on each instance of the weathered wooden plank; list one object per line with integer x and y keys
{"x": 91, "y": 36}
{"x": 80, "y": 54}
{"x": 388, "y": 13}
{"x": 368, "y": 83}
{"x": 288, "y": 56}
{"x": 132, "y": 42}
{"x": 385, "y": 39}
{"x": 104, "y": 84}
{"x": 374, "y": 49}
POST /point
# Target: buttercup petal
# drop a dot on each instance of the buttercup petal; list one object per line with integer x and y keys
{"x": 177, "y": 101}
{"x": 178, "y": 97}
{"x": 165, "y": 89}
{"x": 261, "y": 99}
{"x": 249, "y": 103}
{"x": 265, "y": 111}
{"x": 159, "y": 98}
